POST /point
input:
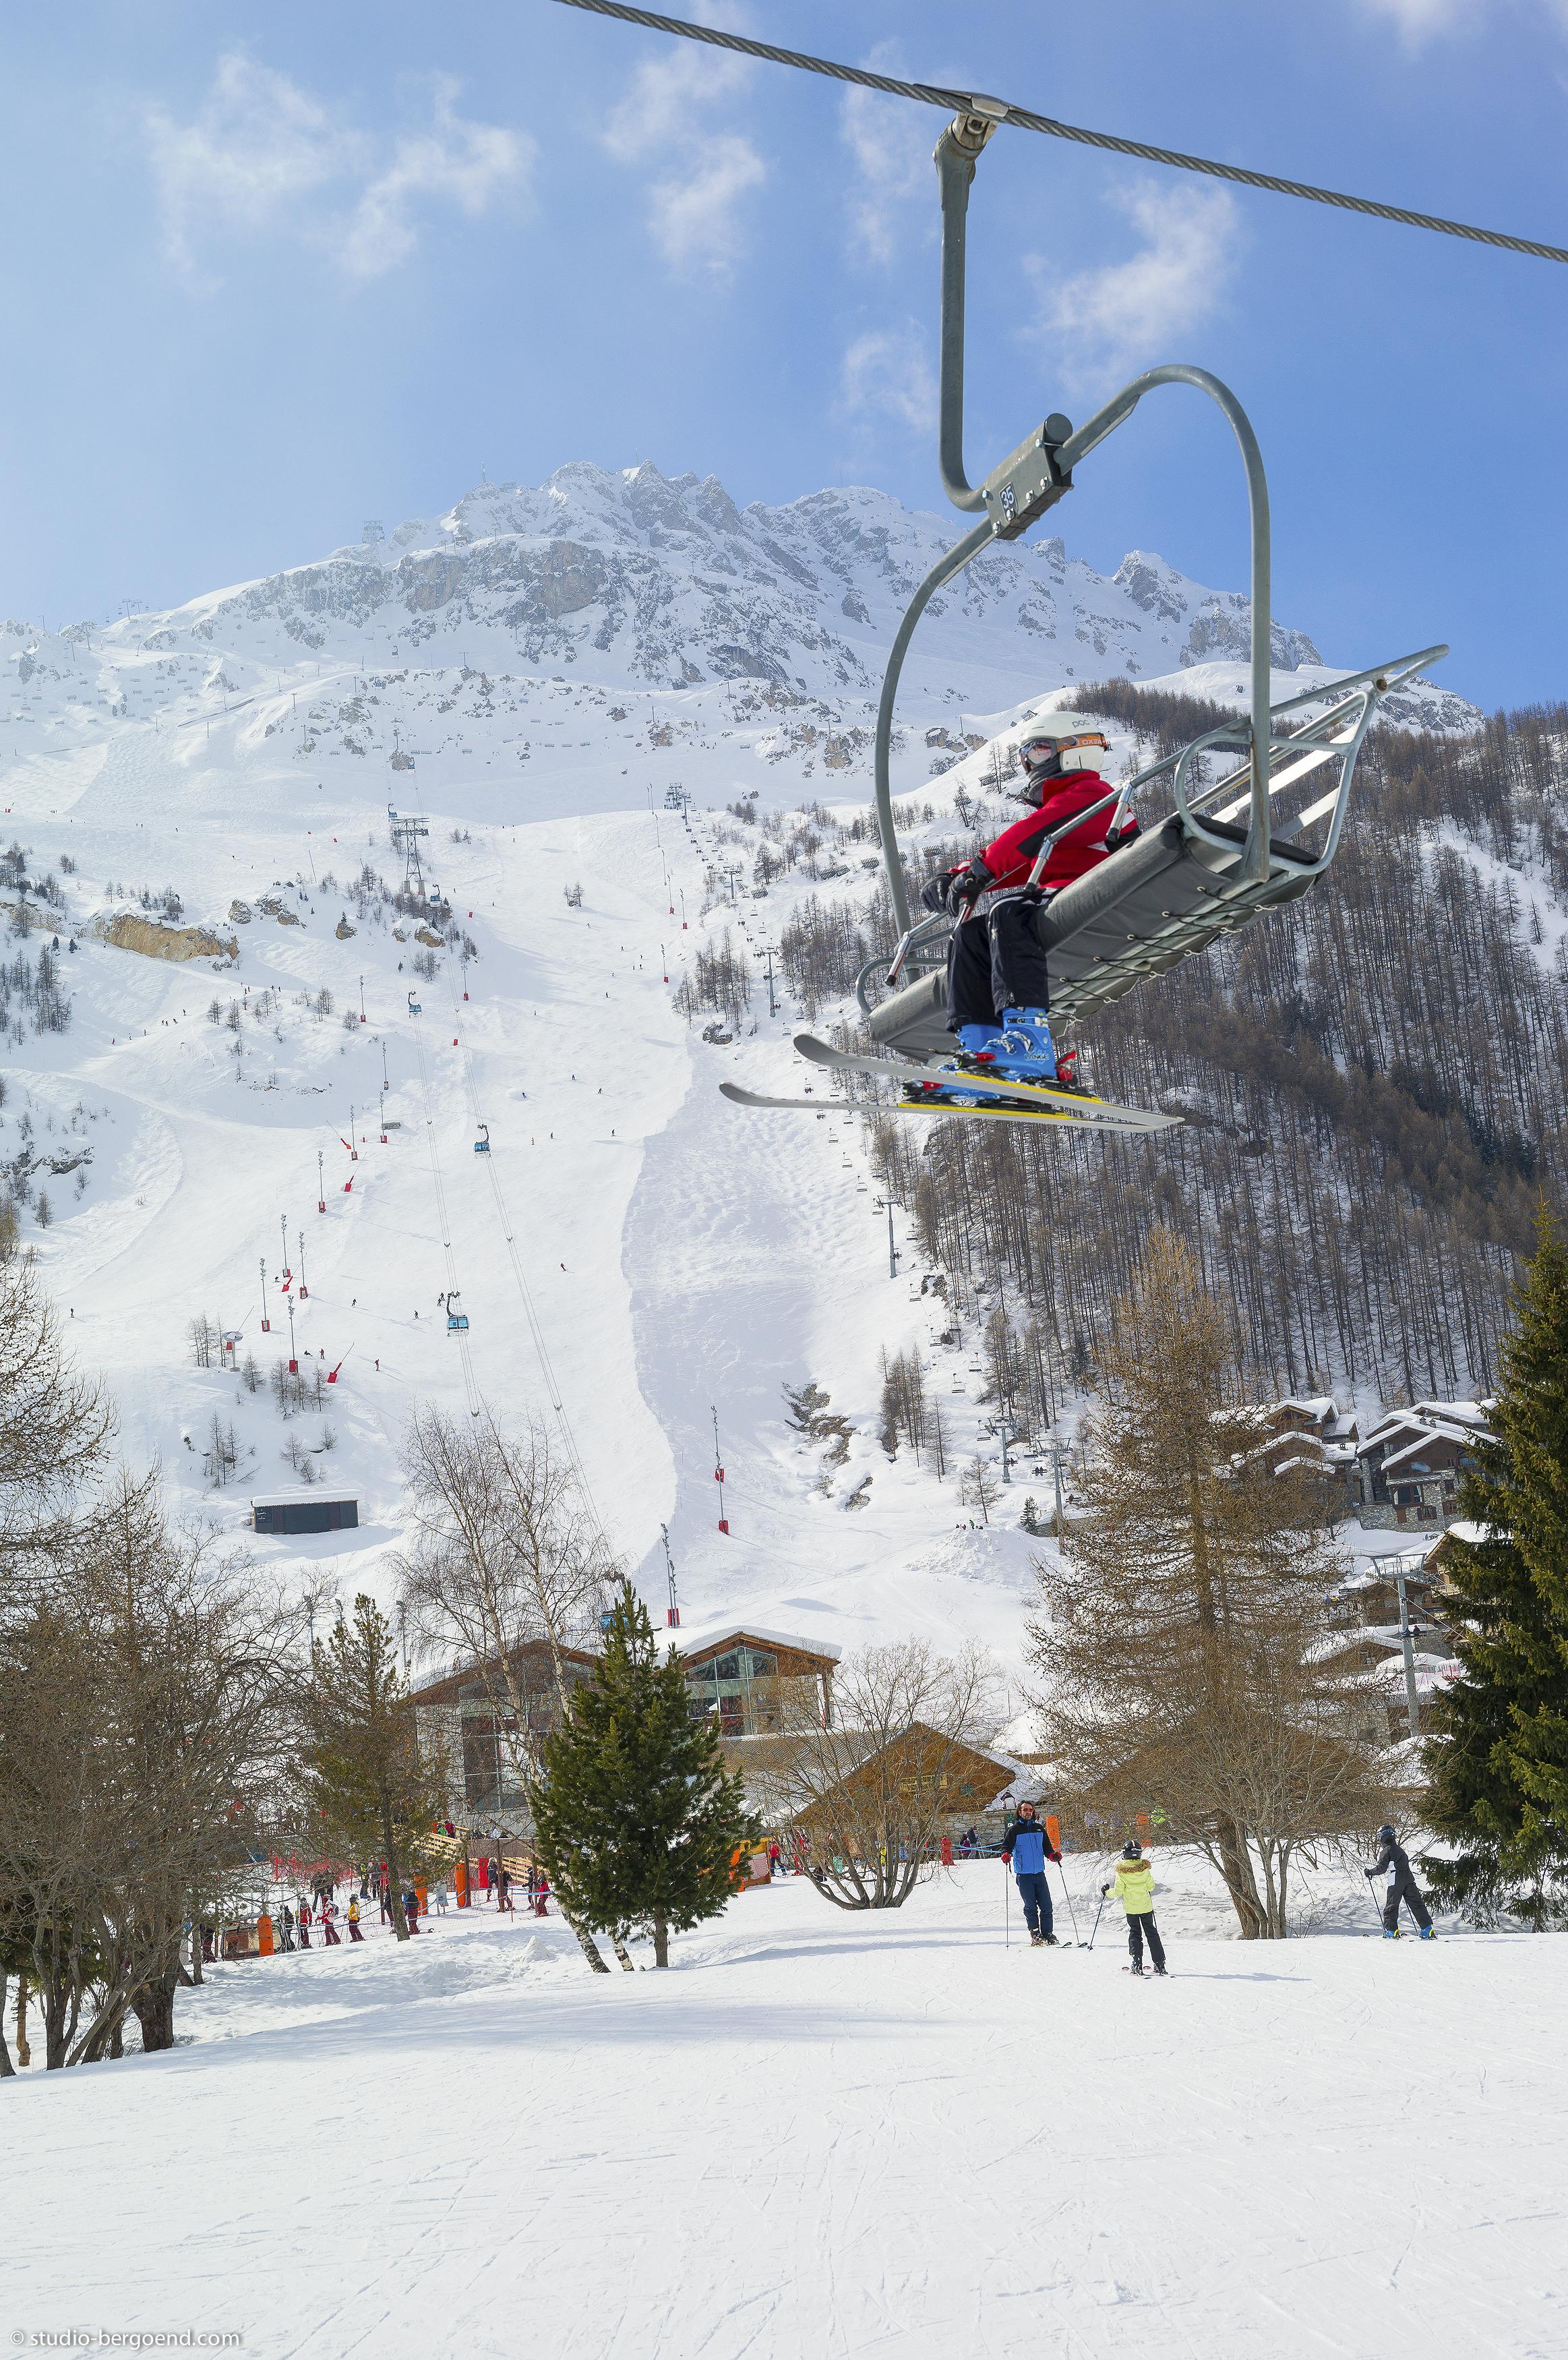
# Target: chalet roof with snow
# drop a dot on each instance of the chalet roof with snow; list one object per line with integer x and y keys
{"x": 694, "y": 1643}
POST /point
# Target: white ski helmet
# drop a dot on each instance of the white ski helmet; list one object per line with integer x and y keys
{"x": 1054, "y": 750}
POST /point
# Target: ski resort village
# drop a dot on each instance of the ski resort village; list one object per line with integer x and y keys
{"x": 783, "y": 1272}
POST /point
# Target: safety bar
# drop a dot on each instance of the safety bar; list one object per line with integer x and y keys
{"x": 1361, "y": 692}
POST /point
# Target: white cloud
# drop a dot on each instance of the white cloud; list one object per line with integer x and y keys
{"x": 1103, "y": 324}
{"x": 262, "y": 155}
{"x": 694, "y": 210}
{"x": 1419, "y": 20}
{"x": 891, "y": 143}
{"x": 887, "y": 372}
{"x": 696, "y": 220}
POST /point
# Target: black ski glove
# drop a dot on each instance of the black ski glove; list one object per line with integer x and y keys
{"x": 934, "y": 891}
{"x": 966, "y": 887}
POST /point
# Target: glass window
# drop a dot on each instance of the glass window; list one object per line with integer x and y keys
{"x": 761, "y": 1667}
{"x": 726, "y": 1668}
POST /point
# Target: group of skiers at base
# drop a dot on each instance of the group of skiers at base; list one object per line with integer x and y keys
{"x": 1027, "y": 1847}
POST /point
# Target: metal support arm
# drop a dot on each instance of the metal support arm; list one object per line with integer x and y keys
{"x": 954, "y": 156}
{"x": 1255, "y": 867}
{"x": 956, "y": 559}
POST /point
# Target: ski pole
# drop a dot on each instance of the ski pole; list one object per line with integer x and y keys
{"x": 1095, "y": 1928}
{"x": 1072, "y": 1913}
{"x": 1008, "y": 1906}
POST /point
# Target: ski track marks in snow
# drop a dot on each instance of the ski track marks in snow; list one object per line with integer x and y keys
{"x": 827, "y": 2133}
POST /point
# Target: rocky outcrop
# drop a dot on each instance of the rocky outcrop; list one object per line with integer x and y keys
{"x": 128, "y": 932}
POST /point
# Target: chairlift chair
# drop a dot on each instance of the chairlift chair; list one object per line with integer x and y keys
{"x": 1221, "y": 854}
{"x": 414, "y": 1009}
{"x": 482, "y": 1144}
{"x": 456, "y": 1320}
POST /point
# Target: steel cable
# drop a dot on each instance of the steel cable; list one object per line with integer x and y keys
{"x": 535, "y": 1329}
{"x": 962, "y": 101}
{"x": 470, "y": 1386}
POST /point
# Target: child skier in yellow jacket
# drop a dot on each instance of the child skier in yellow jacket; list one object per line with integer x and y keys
{"x": 1132, "y": 1884}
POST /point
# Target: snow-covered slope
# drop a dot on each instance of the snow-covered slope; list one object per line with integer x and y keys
{"x": 826, "y": 2135}
{"x": 534, "y": 673}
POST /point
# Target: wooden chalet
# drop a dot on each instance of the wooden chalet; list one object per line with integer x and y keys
{"x": 455, "y": 1713}
{"x": 1411, "y": 1463}
{"x": 750, "y": 1678}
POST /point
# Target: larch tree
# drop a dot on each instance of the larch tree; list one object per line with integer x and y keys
{"x": 1498, "y": 1759}
{"x": 1182, "y": 1647}
{"x": 638, "y": 1822}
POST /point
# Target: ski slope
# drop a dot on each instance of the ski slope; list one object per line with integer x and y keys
{"x": 828, "y": 2134}
{"x": 680, "y": 1258}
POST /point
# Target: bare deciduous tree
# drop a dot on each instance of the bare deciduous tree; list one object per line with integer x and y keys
{"x": 145, "y": 1727}
{"x": 54, "y": 1425}
{"x": 505, "y": 1557}
{"x": 871, "y": 1793}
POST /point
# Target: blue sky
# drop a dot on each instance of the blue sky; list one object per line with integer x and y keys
{"x": 269, "y": 274}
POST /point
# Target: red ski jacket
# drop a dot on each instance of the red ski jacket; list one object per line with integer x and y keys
{"x": 1012, "y": 855}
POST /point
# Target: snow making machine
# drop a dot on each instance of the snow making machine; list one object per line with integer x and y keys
{"x": 1211, "y": 855}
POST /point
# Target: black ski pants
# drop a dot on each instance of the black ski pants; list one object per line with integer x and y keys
{"x": 1035, "y": 1895}
{"x": 1405, "y": 1889}
{"x": 1139, "y": 1923}
{"x": 994, "y": 961}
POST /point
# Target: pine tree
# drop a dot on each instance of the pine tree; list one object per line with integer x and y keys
{"x": 1499, "y": 1759}
{"x": 369, "y": 1788}
{"x": 638, "y": 1821}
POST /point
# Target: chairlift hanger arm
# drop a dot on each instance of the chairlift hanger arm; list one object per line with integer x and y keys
{"x": 1014, "y": 495}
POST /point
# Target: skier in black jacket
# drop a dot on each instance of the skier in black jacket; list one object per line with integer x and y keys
{"x": 1393, "y": 1864}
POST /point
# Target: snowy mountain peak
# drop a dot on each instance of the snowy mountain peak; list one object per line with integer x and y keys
{"x": 664, "y": 585}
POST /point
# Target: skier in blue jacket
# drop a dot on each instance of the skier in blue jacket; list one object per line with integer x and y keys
{"x": 1025, "y": 1848}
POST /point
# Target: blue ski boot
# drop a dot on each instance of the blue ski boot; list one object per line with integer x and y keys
{"x": 1429, "y": 1933}
{"x": 1390, "y": 1933}
{"x": 1024, "y": 1051}
{"x": 975, "y": 1040}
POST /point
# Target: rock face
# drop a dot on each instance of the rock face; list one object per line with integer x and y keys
{"x": 344, "y": 931}
{"x": 645, "y": 578}
{"x": 614, "y": 619}
{"x": 129, "y": 933}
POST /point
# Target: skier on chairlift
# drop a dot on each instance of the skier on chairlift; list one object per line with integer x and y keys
{"x": 997, "y": 989}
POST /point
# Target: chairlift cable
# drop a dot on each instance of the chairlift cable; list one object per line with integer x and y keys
{"x": 1024, "y": 119}
{"x": 547, "y": 1370}
{"x": 470, "y": 1384}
